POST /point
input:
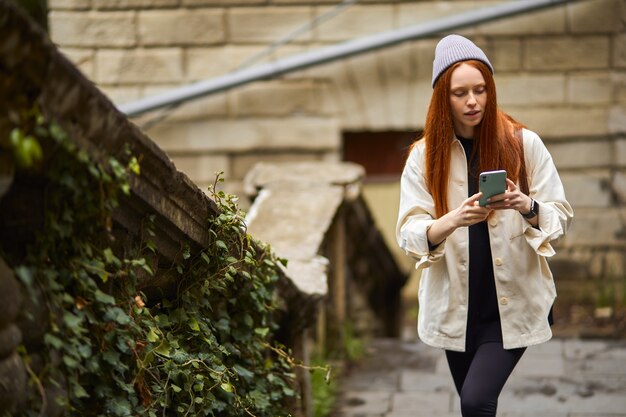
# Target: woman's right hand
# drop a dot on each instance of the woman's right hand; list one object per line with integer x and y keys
{"x": 467, "y": 214}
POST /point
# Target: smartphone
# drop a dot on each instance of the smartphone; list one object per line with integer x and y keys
{"x": 491, "y": 183}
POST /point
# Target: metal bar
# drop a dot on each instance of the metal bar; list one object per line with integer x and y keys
{"x": 331, "y": 53}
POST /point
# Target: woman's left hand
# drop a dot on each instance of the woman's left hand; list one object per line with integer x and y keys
{"x": 513, "y": 199}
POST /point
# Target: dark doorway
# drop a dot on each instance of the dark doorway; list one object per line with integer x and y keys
{"x": 383, "y": 154}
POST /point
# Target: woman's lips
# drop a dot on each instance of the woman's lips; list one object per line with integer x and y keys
{"x": 472, "y": 113}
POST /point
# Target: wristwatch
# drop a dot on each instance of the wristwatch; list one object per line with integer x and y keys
{"x": 534, "y": 210}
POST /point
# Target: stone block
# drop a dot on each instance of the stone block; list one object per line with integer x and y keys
{"x": 133, "y": 4}
{"x": 10, "y": 295}
{"x": 139, "y": 66}
{"x": 214, "y": 105}
{"x": 242, "y": 164}
{"x": 544, "y": 22}
{"x": 590, "y": 88}
{"x": 268, "y": 24}
{"x": 276, "y": 99}
{"x": 576, "y": 155}
{"x": 101, "y": 29}
{"x": 304, "y": 210}
{"x": 425, "y": 401}
{"x": 530, "y": 89}
{"x": 369, "y": 89}
{"x": 567, "y": 53}
{"x": 617, "y": 119}
{"x": 210, "y": 62}
{"x": 355, "y": 22}
{"x": 68, "y": 4}
{"x": 83, "y": 59}
{"x": 596, "y": 228}
{"x": 620, "y": 152}
{"x": 619, "y": 186}
{"x": 397, "y": 74}
{"x": 119, "y": 95}
{"x": 366, "y": 403}
{"x": 408, "y": 14}
{"x": 221, "y": 2}
{"x": 249, "y": 135}
{"x": 202, "y": 168}
{"x": 505, "y": 54}
{"x": 181, "y": 27}
{"x": 594, "y": 16}
{"x": 588, "y": 189}
{"x": 619, "y": 51}
{"x": 563, "y": 122}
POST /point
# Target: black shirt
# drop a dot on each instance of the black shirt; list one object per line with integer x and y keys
{"x": 483, "y": 321}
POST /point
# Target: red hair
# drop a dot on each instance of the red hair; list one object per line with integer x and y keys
{"x": 495, "y": 142}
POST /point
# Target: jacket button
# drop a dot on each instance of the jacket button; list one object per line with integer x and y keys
{"x": 498, "y": 261}
{"x": 493, "y": 222}
{"x": 504, "y": 301}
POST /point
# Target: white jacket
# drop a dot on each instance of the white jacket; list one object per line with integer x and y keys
{"x": 524, "y": 283}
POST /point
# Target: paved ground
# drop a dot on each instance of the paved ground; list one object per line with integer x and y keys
{"x": 561, "y": 378}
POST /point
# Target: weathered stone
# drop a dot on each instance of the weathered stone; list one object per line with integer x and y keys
{"x": 589, "y": 229}
{"x": 133, "y": 4}
{"x": 355, "y": 22}
{"x": 545, "y": 22}
{"x": 100, "y": 29}
{"x": 203, "y": 168}
{"x": 212, "y": 62}
{"x": 620, "y": 153}
{"x": 311, "y": 276}
{"x": 10, "y": 296}
{"x": 12, "y": 383}
{"x": 265, "y": 174}
{"x": 181, "y": 27}
{"x": 267, "y": 24}
{"x": 140, "y": 66}
{"x": 34, "y": 320}
{"x": 305, "y": 210}
{"x": 242, "y": 164}
{"x": 408, "y": 14}
{"x": 305, "y": 133}
{"x": 7, "y": 173}
{"x": 564, "y": 121}
{"x": 540, "y": 89}
{"x": 619, "y": 51}
{"x": 599, "y": 16}
{"x": 591, "y": 88}
{"x": 10, "y": 338}
{"x": 276, "y": 99}
{"x": 581, "y": 155}
{"x": 561, "y": 53}
{"x": 505, "y": 55}
{"x": 617, "y": 119}
{"x": 83, "y": 59}
{"x": 588, "y": 189}
{"x": 68, "y": 4}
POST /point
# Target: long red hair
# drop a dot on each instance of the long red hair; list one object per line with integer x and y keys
{"x": 494, "y": 138}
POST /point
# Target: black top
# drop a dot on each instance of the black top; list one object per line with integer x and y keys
{"x": 483, "y": 321}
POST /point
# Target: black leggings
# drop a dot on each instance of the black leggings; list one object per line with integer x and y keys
{"x": 479, "y": 376}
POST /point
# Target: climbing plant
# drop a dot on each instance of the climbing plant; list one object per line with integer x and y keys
{"x": 110, "y": 350}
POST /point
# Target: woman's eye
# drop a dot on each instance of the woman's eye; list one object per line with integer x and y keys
{"x": 459, "y": 93}
{"x": 479, "y": 90}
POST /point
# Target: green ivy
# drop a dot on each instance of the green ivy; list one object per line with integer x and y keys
{"x": 208, "y": 351}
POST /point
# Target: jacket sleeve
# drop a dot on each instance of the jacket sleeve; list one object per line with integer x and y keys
{"x": 555, "y": 213}
{"x": 416, "y": 213}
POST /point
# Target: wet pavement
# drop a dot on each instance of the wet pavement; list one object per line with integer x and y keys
{"x": 561, "y": 378}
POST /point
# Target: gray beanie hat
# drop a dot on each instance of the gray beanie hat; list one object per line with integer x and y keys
{"x": 453, "y": 49}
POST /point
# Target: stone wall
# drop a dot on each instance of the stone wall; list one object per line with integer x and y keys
{"x": 562, "y": 71}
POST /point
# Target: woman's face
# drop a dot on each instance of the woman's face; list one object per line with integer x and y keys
{"x": 468, "y": 97}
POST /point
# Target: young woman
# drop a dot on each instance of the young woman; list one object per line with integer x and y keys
{"x": 486, "y": 290}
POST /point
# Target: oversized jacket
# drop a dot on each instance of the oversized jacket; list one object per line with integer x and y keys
{"x": 524, "y": 284}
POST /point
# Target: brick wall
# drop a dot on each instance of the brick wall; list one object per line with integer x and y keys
{"x": 562, "y": 71}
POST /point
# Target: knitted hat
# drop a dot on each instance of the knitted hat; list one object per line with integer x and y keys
{"x": 453, "y": 49}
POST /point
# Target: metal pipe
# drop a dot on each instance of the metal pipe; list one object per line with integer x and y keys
{"x": 331, "y": 53}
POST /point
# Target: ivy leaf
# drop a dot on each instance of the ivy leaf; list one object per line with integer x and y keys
{"x": 152, "y": 336}
{"x": 226, "y": 387}
{"x": 262, "y": 331}
{"x": 104, "y": 298}
{"x": 53, "y": 341}
{"x": 193, "y": 324}
{"x": 176, "y": 388}
{"x": 72, "y": 321}
{"x": 25, "y": 275}
{"x": 117, "y": 314}
{"x": 220, "y": 244}
{"x": 163, "y": 349}
{"x": 243, "y": 372}
{"x": 78, "y": 391}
